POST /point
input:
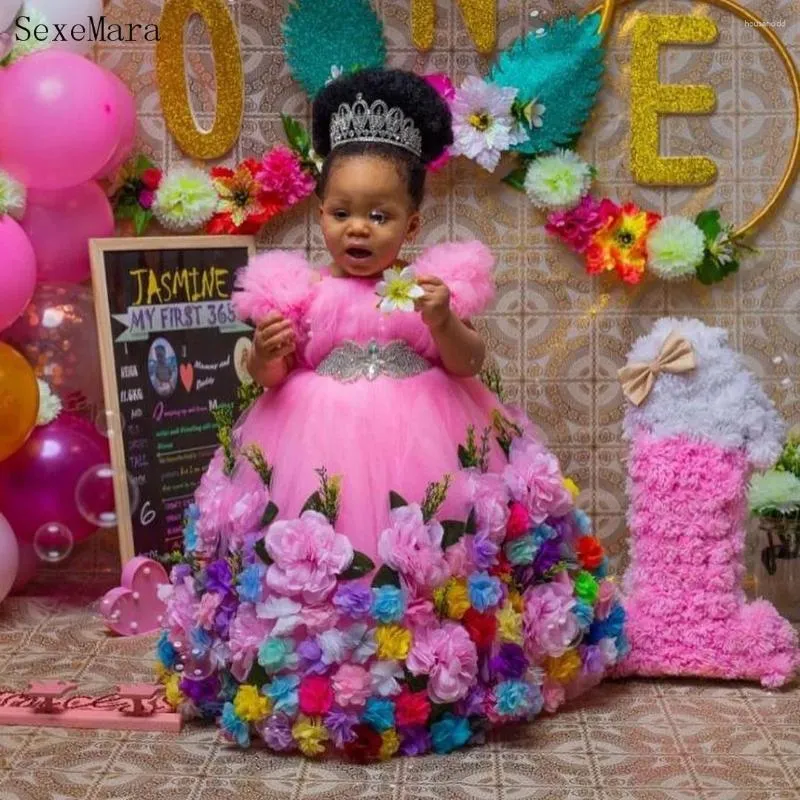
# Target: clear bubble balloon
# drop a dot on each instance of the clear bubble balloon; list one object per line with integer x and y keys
{"x": 53, "y": 542}
{"x": 103, "y": 422}
{"x": 94, "y": 496}
{"x": 192, "y": 663}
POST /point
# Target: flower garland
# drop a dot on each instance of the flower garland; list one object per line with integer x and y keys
{"x": 238, "y": 200}
{"x": 272, "y": 630}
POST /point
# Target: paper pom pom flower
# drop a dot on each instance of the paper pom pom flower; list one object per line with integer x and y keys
{"x": 12, "y": 196}
{"x": 675, "y": 248}
{"x": 49, "y": 404}
{"x": 620, "y": 245}
{"x": 185, "y": 200}
{"x": 282, "y": 175}
{"x": 774, "y": 492}
{"x": 398, "y": 290}
{"x": 483, "y": 125}
{"x": 558, "y": 181}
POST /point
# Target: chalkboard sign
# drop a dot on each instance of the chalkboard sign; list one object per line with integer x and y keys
{"x": 172, "y": 351}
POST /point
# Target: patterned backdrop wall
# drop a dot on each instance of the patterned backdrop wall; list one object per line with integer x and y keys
{"x": 557, "y": 335}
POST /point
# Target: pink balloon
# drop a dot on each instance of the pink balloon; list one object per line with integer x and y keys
{"x": 37, "y": 483}
{"x": 60, "y": 118}
{"x": 127, "y": 128}
{"x": 17, "y": 271}
{"x": 28, "y": 565}
{"x": 9, "y": 558}
{"x": 60, "y": 223}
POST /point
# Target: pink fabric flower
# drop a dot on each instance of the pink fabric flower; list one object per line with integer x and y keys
{"x": 577, "y": 226}
{"x": 316, "y": 695}
{"x": 352, "y": 685}
{"x": 605, "y": 599}
{"x": 553, "y": 694}
{"x": 449, "y": 657}
{"x": 308, "y": 555}
{"x": 282, "y": 175}
{"x": 209, "y": 603}
{"x": 534, "y": 479}
{"x": 413, "y": 547}
{"x": 519, "y": 520}
{"x": 489, "y": 496}
{"x": 459, "y": 559}
{"x": 550, "y": 626}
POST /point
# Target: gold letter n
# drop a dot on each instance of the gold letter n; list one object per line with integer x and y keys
{"x": 480, "y": 17}
{"x": 649, "y": 99}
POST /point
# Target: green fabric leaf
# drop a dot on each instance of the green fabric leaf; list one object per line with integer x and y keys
{"x": 270, "y": 512}
{"x": 314, "y": 503}
{"x": 562, "y": 70}
{"x": 516, "y": 178}
{"x": 386, "y": 576}
{"x": 711, "y": 271}
{"x": 708, "y": 222}
{"x": 141, "y": 219}
{"x": 296, "y": 135}
{"x": 260, "y": 550}
{"x": 396, "y": 501}
{"x": 453, "y": 531}
{"x": 320, "y": 35}
{"x": 472, "y": 523}
{"x": 361, "y": 565}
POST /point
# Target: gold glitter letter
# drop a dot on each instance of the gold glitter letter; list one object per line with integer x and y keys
{"x": 480, "y": 17}
{"x": 171, "y": 73}
{"x": 649, "y": 99}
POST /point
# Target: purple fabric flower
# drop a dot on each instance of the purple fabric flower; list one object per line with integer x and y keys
{"x": 415, "y": 740}
{"x": 484, "y": 551}
{"x": 276, "y": 731}
{"x": 203, "y": 691}
{"x": 510, "y": 662}
{"x": 353, "y": 600}
{"x": 548, "y": 556}
{"x": 218, "y": 577}
{"x": 340, "y": 724}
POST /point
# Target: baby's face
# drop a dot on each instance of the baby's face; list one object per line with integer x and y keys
{"x": 366, "y": 215}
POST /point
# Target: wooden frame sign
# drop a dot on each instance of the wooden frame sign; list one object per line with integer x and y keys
{"x": 172, "y": 350}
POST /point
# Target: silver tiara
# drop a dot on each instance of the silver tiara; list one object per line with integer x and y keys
{"x": 376, "y": 123}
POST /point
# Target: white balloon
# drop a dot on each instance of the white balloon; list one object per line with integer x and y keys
{"x": 74, "y": 12}
{"x": 8, "y": 13}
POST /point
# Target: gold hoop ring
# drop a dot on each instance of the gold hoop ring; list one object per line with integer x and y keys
{"x": 608, "y": 7}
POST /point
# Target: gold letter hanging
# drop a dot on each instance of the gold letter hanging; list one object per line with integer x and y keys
{"x": 480, "y": 17}
{"x": 650, "y": 98}
{"x": 171, "y": 75}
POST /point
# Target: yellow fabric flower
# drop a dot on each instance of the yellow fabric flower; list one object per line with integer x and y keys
{"x": 515, "y": 598}
{"x": 393, "y": 642}
{"x": 572, "y": 487}
{"x": 172, "y": 693}
{"x": 310, "y": 735}
{"x": 457, "y": 597}
{"x": 565, "y": 667}
{"x": 509, "y": 625}
{"x": 391, "y": 744}
{"x": 250, "y": 705}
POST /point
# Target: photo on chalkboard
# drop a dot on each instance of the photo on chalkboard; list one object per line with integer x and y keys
{"x": 172, "y": 353}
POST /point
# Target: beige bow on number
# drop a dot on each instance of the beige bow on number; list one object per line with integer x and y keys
{"x": 637, "y": 379}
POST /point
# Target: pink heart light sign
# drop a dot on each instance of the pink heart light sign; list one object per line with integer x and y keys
{"x": 134, "y": 608}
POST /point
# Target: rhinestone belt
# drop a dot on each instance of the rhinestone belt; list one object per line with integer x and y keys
{"x": 351, "y": 361}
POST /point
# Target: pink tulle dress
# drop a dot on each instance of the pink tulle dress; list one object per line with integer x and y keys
{"x": 396, "y": 428}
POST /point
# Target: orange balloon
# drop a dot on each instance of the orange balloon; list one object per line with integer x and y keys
{"x": 19, "y": 400}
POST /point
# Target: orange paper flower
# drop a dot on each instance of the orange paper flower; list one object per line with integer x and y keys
{"x": 620, "y": 244}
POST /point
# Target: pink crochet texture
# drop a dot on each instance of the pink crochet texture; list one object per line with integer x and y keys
{"x": 686, "y": 611}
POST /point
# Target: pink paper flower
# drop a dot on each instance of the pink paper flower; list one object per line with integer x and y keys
{"x": 283, "y": 176}
{"x": 209, "y": 603}
{"x": 352, "y": 685}
{"x": 308, "y": 555}
{"x": 553, "y": 694}
{"x": 459, "y": 559}
{"x": 449, "y": 657}
{"x": 316, "y": 695}
{"x": 488, "y": 494}
{"x": 519, "y": 520}
{"x": 534, "y": 479}
{"x": 550, "y": 625}
{"x": 605, "y": 599}
{"x": 447, "y": 91}
{"x": 413, "y": 547}
{"x": 246, "y": 634}
{"x": 182, "y": 606}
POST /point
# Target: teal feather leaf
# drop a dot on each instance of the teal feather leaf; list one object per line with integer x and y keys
{"x": 320, "y": 35}
{"x": 561, "y": 69}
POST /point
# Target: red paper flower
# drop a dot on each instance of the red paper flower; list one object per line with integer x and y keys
{"x": 366, "y": 746}
{"x": 590, "y": 552}
{"x": 519, "y": 520}
{"x": 480, "y": 627}
{"x": 244, "y": 206}
{"x": 412, "y": 708}
{"x": 316, "y": 695}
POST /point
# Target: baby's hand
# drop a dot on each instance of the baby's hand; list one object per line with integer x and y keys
{"x": 274, "y": 338}
{"x": 435, "y": 303}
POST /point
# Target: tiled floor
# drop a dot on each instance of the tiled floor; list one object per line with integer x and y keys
{"x": 633, "y": 740}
